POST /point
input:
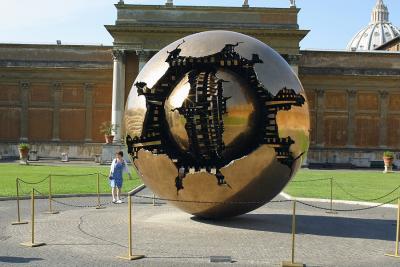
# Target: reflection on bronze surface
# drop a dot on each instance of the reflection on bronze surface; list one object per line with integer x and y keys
{"x": 221, "y": 121}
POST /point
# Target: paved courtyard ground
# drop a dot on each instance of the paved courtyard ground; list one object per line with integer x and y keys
{"x": 169, "y": 237}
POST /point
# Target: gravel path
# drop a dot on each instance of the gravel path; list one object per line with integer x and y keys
{"x": 169, "y": 237}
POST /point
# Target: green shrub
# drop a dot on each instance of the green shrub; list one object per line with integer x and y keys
{"x": 107, "y": 127}
{"x": 23, "y": 146}
{"x": 388, "y": 154}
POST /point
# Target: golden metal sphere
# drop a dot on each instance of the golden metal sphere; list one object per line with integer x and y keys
{"x": 218, "y": 123}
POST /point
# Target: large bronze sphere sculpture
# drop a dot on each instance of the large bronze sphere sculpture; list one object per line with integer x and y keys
{"x": 217, "y": 121}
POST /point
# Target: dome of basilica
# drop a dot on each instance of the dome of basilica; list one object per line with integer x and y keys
{"x": 377, "y": 32}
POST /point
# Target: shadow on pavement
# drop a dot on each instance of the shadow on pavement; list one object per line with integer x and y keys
{"x": 18, "y": 259}
{"x": 312, "y": 225}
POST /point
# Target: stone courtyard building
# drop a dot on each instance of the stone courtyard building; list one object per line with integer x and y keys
{"x": 56, "y": 96}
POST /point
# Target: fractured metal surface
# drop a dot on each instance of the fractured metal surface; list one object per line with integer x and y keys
{"x": 217, "y": 117}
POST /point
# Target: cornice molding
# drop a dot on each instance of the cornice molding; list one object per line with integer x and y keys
{"x": 348, "y": 71}
{"x": 256, "y": 32}
{"x": 54, "y": 64}
{"x": 238, "y": 9}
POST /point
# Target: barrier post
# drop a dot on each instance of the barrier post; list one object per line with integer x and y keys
{"x": 292, "y": 263}
{"x": 397, "y": 252}
{"x": 50, "y": 211}
{"x": 130, "y": 257}
{"x": 331, "y": 211}
{"x": 99, "y": 206}
{"x": 32, "y": 242}
{"x": 154, "y": 199}
{"x": 18, "y": 222}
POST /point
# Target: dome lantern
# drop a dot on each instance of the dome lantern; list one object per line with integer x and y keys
{"x": 380, "y": 13}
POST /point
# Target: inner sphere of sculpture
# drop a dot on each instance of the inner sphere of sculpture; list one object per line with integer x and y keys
{"x": 217, "y": 123}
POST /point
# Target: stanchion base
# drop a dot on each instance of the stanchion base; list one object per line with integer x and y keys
{"x": 51, "y": 212}
{"x": 100, "y": 208}
{"x": 131, "y": 258}
{"x": 33, "y": 245}
{"x": 332, "y": 212}
{"x": 292, "y": 264}
{"x": 392, "y": 255}
{"x": 18, "y": 223}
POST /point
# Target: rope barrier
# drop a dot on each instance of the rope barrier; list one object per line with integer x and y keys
{"x": 222, "y": 202}
{"x": 346, "y": 210}
{"x": 363, "y": 199}
{"x": 134, "y": 179}
{"x": 152, "y": 198}
{"x": 73, "y": 175}
{"x": 21, "y": 189}
{"x": 32, "y": 242}
{"x": 261, "y": 202}
{"x": 211, "y": 202}
{"x": 33, "y": 183}
{"x": 18, "y": 222}
{"x": 80, "y": 206}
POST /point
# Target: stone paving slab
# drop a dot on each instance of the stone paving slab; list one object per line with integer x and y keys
{"x": 169, "y": 237}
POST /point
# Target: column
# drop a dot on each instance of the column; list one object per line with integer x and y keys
{"x": 88, "y": 87}
{"x": 383, "y": 118}
{"x": 118, "y": 93}
{"x": 144, "y": 56}
{"x": 57, "y": 95}
{"x": 351, "y": 123}
{"x": 24, "y": 119}
{"x": 320, "y": 117}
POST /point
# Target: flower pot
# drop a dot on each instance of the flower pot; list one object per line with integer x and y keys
{"x": 109, "y": 138}
{"x": 23, "y": 156}
{"x": 23, "y": 153}
{"x": 388, "y": 161}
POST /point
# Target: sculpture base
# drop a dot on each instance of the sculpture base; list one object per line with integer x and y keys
{"x": 18, "y": 223}
{"x": 131, "y": 257}
{"x": 292, "y": 264}
{"x": 33, "y": 245}
{"x": 51, "y": 212}
{"x": 392, "y": 255}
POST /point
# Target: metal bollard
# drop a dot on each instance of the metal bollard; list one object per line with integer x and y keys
{"x": 154, "y": 199}
{"x": 99, "y": 206}
{"x": 18, "y": 222}
{"x": 130, "y": 257}
{"x": 50, "y": 211}
{"x": 397, "y": 252}
{"x": 32, "y": 242}
{"x": 292, "y": 263}
{"x": 331, "y": 211}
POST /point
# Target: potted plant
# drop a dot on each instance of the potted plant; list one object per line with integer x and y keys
{"x": 388, "y": 157}
{"x": 23, "y": 152}
{"x": 107, "y": 128}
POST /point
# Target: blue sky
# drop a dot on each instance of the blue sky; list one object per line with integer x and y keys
{"x": 332, "y": 22}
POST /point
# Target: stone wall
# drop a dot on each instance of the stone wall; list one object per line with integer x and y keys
{"x": 393, "y": 45}
{"x": 54, "y": 93}
{"x": 354, "y": 104}
{"x": 53, "y": 150}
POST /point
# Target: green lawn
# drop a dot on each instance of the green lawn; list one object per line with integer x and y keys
{"x": 69, "y": 183}
{"x": 362, "y": 184}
